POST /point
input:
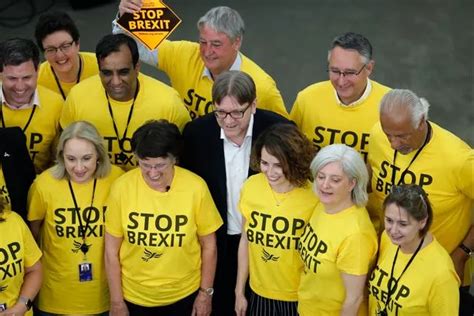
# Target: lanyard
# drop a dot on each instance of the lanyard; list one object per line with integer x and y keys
{"x": 120, "y": 140}
{"x": 77, "y": 79}
{"x": 27, "y": 123}
{"x": 392, "y": 283}
{"x": 82, "y": 228}
{"x": 427, "y": 138}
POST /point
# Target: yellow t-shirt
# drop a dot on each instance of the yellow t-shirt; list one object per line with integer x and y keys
{"x": 160, "y": 255}
{"x": 46, "y": 76}
{"x": 430, "y": 285}
{"x": 43, "y": 130}
{"x": 444, "y": 168}
{"x": 50, "y": 200}
{"x": 317, "y": 113}
{"x": 18, "y": 250}
{"x": 333, "y": 243}
{"x": 4, "y": 189}
{"x": 273, "y": 225}
{"x": 155, "y": 100}
{"x": 181, "y": 61}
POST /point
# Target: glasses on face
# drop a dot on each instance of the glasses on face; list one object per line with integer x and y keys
{"x": 237, "y": 114}
{"x": 64, "y": 48}
{"x": 148, "y": 167}
{"x": 347, "y": 73}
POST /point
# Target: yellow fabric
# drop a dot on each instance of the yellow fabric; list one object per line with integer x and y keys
{"x": 273, "y": 225}
{"x": 50, "y": 200}
{"x": 18, "y": 250}
{"x": 43, "y": 128}
{"x": 445, "y": 170}
{"x": 430, "y": 285}
{"x": 331, "y": 244}
{"x": 160, "y": 254}
{"x": 183, "y": 65}
{"x": 155, "y": 100}
{"x": 4, "y": 190}
{"x": 46, "y": 76}
{"x": 324, "y": 121}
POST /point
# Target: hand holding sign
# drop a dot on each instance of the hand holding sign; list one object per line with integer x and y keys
{"x": 149, "y": 21}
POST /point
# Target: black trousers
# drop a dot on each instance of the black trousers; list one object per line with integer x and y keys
{"x": 182, "y": 307}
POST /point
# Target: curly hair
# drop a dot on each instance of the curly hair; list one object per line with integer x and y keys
{"x": 293, "y": 150}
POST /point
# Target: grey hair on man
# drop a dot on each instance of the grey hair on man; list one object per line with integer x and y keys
{"x": 224, "y": 20}
{"x": 353, "y": 41}
{"x": 404, "y": 98}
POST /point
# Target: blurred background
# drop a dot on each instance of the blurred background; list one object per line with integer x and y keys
{"x": 422, "y": 45}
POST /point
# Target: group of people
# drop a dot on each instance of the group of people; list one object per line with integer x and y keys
{"x": 208, "y": 196}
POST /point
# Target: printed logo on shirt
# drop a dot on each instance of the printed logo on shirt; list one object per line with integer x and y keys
{"x": 67, "y": 224}
{"x": 400, "y": 291}
{"x": 78, "y": 245}
{"x": 148, "y": 255}
{"x": 197, "y": 104}
{"x": 156, "y": 230}
{"x": 310, "y": 247}
{"x": 266, "y": 256}
{"x": 35, "y": 140}
{"x": 274, "y": 231}
{"x": 388, "y": 172}
{"x": 335, "y": 136}
{"x": 10, "y": 262}
{"x": 4, "y": 193}
{"x": 123, "y": 158}
{"x": 3, "y": 288}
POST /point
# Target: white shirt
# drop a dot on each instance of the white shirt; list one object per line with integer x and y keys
{"x": 362, "y": 98}
{"x": 237, "y": 161}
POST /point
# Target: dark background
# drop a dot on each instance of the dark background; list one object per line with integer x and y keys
{"x": 422, "y": 45}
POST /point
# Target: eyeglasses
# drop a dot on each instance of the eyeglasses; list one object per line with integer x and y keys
{"x": 237, "y": 114}
{"x": 64, "y": 48}
{"x": 159, "y": 167}
{"x": 347, "y": 73}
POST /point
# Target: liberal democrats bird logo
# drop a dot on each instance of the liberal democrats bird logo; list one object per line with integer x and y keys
{"x": 77, "y": 246}
{"x": 3, "y": 288}
{"x": 148, "y": 255}
{"x": 268, "y": 256}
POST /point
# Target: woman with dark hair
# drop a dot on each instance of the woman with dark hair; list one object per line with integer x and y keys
{"x": 414, "y": 273}
{"x": 58, "y": 38}
{"x": 66, "y": 207}
{"x": 20, "y": 264}
{"x": 276, "y": 204}
{"x": 339, "y": 244}
{"x": 160, "y": 243}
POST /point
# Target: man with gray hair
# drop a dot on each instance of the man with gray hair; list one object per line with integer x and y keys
{"x": 407, "y": 148}
{"x": 193, "y": 67}
{"x": 344, "y": 108}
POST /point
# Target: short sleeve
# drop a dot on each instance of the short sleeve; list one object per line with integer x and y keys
{"x": 36, "y": 204}
{"x": 113, "y": 215}
{"x": 444, "y": 295}
{"x": 466, "y": 175}
{"x": 356, "y": 254}
{"x": 208, "y": 219}
{"x": 32, "y": 251}
{"x": 67, "y": 114}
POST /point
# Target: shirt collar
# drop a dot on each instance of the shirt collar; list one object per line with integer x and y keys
{"x": 235, "y": 66}
{"x": 34, "y": 100}
{"x": 365, "y": 95}
{"x": 247, "y": 135}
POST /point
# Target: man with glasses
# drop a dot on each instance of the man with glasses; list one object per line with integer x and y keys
{"x": 217, "y": 147}
{"x": 58, "y": 37}
{"x": 32, "y": 107}
{"x": 120, "y": 99}
{"x": 344, "y": 108}
{"x": 193, "y": 67}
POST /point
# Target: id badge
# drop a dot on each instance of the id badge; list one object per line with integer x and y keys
{"x": 85, "y": 271}
{"x": 3, "y": 307}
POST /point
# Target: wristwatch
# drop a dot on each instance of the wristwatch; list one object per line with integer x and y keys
{"x": 28, "y": 303}
{"x": 466, "y": 249}
{"x": 209, "y": 291}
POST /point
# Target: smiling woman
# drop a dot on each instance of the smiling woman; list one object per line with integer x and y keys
{"x": 58, "y": 37}
{"x": 66, "y": 207}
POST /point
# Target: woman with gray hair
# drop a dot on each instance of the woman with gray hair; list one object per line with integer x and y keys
{"x": 66, "y": 208}
{"x": 339, "y": 243}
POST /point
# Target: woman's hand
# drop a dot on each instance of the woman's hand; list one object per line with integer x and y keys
{"x": 118, "y": 309}
{"x": 240, "y": 305}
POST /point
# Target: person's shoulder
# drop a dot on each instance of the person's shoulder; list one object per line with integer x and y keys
{"x": 85, "y": 87}
{"x": 206, "y": 124}
{"x": 126, "y": 178}
{"x": 49, "y": 97}
{"x": 12, "y": 134}
{"x": 449, "y": 139}
{"x": 265, "y": 117}
{"x": 115, "y": 172}
{"x": 191, "y": 179}
{"x": 46, "y": 181}
{"x": 316, "y": 87}
{"x": 154, "y": 86}
{"x": 88, "y": 57}
{"x": 253, "y": 69}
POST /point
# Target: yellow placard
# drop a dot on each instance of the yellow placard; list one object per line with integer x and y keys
{"x": 152, "y": 24}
